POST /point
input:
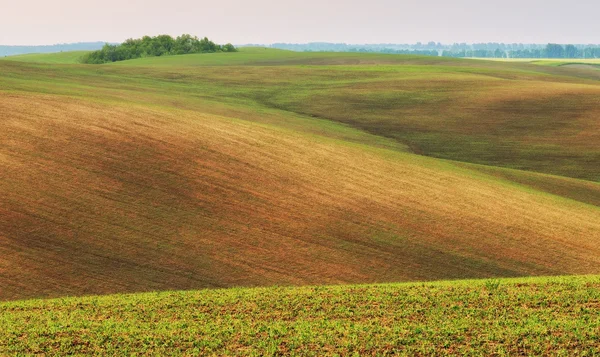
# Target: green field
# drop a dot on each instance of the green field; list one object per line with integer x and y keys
{"x": 287, "y": 178}
{"x": 525, "y": 317}
{"x": 269, "y": 167}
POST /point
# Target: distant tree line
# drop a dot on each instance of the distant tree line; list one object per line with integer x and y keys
{"x": 483, "y": 50}
{"x": 550, "y": 51}
{"x": 162, "y": 45}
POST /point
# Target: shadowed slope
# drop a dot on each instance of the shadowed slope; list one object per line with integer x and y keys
{"x": 101, "y": 198}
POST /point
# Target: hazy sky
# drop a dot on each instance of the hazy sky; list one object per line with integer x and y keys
{"x": 30, "y": 22}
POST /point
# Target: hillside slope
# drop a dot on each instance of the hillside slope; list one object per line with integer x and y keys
{"x": 123, "y": 179}
{"x": 538, "y": 317}
{"x": 99, "y": 199}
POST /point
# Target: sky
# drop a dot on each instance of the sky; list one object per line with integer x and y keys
{"x": 44, "y": 22}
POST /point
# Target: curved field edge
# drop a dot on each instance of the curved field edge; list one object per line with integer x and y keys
{"x": 528, "y": 316}
{"x": 574, "y": 189}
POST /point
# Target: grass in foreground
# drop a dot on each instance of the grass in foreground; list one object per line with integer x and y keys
{"x": 541, "y": 316}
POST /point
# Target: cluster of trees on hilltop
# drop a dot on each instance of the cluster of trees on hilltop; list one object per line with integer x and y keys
{"x": 162, "y": 45}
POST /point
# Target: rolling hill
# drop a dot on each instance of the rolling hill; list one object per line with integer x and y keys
{"x": 269, "y": 167}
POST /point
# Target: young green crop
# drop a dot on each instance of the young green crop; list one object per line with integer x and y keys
{"x": 542, "y": 316}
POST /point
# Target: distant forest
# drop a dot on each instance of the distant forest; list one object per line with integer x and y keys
{"x": 162, "y": 45}
{"x": 21, "y": 50}
{"x": 483, "y": 50}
